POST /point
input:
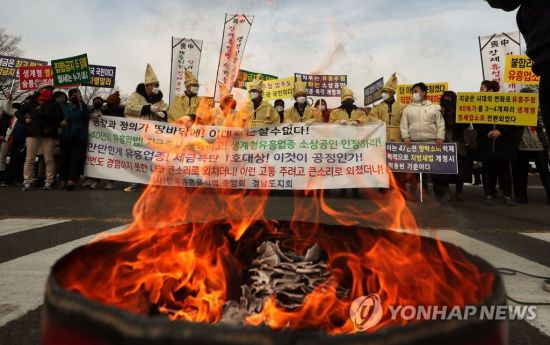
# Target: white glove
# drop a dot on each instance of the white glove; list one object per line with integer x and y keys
{"x": 354, "y": 123}
{"x": 161, "y": 115}
{"x": 344, "y": 122}
{"x": 309, "y": 122}
{"x": 155, "y": 108}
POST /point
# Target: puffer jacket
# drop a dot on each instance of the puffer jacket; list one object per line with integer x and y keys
{"x": 422, "y": 122}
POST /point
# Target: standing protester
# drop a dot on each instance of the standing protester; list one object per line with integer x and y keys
{"x": 534, "y": 147}
{"x": 422, "y": 122}
{"x": 301, "y": 111}
{"x": 6, "y": 119}
{"x": 280, "y": 107}
{"x": 16, "y": 137}
{"x": 533, "y": 17}
{"x": 184, "y": 107}
{"x": 321, "y": 104}
{"x": 258, "y": 113}
{"x": 74, "y": 135}
{"x": 42, "y": 115}
{"x": 95, "y": 112}
{"x": 461, "y": 134}
{"x": 496, "y": 148}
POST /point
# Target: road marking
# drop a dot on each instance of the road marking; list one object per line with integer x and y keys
{"x": 543, "y": 236}
{"x": 23, "y": 279}
{"x": 13, "y": 225}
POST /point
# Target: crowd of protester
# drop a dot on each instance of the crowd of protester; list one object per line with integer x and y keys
{"x": 44, "y": 138}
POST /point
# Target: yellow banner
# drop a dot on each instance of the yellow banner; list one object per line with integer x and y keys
{"x": 435, "y": 91}
{"x": 500, "y": 108}
{"x": 518, "y": 70}
{"x": 277, "y": 88}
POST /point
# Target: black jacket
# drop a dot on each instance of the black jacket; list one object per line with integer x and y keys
{"x": 504, "y": 148}
{"x": 5, "y": 120}
{"x": 45, "y": 118}
{"x": 533, "y": 20}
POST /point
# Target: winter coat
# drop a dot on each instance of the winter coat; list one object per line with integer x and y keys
{"x": 292, "y": 115}
{"x": 391, "y": 119}
{"x": 139, "y": 104}
{"x": 45, "y": 118}
{"x": 262, "y": 116}
{"x": 534, "y": 138}
{"x": 532, "y": 18}
{"x": 5, "y": 122}
{"x": 183, "y": 105}
{"x": 503, "y": 148}
{"x": 357, "y": 114}
{"x": 422, "y": 122}
{"x": 77, "y": 117}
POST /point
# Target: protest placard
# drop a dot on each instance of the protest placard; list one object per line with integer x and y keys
{"x": 373, "y": 92}
{"x": 435, "y": 91}
{"x": 31, "y": 76}
{"x": 289, "y": 156}
{"x": 245, "y": 77}
{"x": 422, "y": 158}
{"x": 278, "y": 88}
{"x": 71, "y": 70}
{"x": 493, "y": 50}
{"x": 503, "y": 108}
{"x": 9, "y": 66}
{"x": 102, "y": 76}
{"x": 322, "y": 85}
{"x": 518, "y": 70}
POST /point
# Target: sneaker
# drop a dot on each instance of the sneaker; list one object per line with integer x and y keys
{"x": 27, "y": 186}
{"x": 110, "y": 186}
{"x": 48, "y": 186}
{"x": 489, "y": 200}
{"x": 130, "y": 188}
{"x": 87, "y": 183}
{"x": 94, "y": 185}
{"x": 508, "y": 201}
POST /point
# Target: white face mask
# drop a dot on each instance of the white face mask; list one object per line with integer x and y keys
{"x": 416, "y": 98}
{"x": 279, "y": 108}
{"x": 322, "y": 107}
{"x": 301, "y": 100}
{"x": 156, "y": 90}
{"x": 385, "y": 96}
{"x": 195, "y": 89}
{"x": 254, "y": 95}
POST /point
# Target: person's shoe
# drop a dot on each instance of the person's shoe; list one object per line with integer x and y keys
{"x": 489, "y": 200}
{"x": 508, "y": 201}
{"x": 94, "y": 185}
{"x": 48, "y": 185}
{"x": 110, "y": 186}
{"x": 87, "y": 183}
{"x": 70, "y": 186}
{"x": 130, "y": 188}
{"x": 27, "y": 186}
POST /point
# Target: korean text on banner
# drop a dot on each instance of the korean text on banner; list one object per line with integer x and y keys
{"x": 422, "y": 158}
{"x": 31, "y": 76}
{"x": 9, "y": 66}
{"x": 322, "y": 85}
{"x": 435, "y": 91}
{"x": 72, "y": 70}
{"x": 493, "y": 50}
{"x": 278, "y": 88}
{"x": 102, "y": 76}
{"x": 186, "y": 55}
{"x": 373, "y": 92}
{"x": 245, "y": 77}
{"x": 518, "y": 70}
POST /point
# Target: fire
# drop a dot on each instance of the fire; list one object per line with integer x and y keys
{"x": 185, "y": 253}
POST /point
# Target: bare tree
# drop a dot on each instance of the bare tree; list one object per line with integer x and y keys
{"x": 9, "y": 45}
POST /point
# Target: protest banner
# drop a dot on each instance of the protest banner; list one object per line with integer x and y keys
{"x": 502, "y": 108}
{"x": 373, "y": 92}
{"x": 518, "y": 70}
{"x": 422, "y": 158}
{"x": 235, "y": 34}
{"x": 245, "y": 77}
{"x": 9, "y": 66}
{"x": 322, "y": 85}
{"x": 278, "y": 88}
{"x": 435, "y": 91}
{"x": 493, "y": 50}
{"x": 71, "y": 70}
{"x": 102, "y": 76}
{"x": 186, "y": 55}
{"x": 289, "y": 156}
{"x": 30, "y": 76}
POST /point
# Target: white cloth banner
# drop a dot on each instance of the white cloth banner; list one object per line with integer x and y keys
{"x": 186, "y": 54}
{"x": 289, "y": 156}
{"x": 235, "y": 34}
{"x": 493, "y": 50}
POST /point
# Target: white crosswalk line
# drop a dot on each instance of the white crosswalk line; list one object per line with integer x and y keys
{"x": 13, "y": 225}
{"x": 519, "y": 287}
{"x": 23, "y": 279}
{"x": 543, "y": 236}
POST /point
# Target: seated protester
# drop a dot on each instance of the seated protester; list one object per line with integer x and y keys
{"x": 301, "y": 111}
{"x": 348, "y": 113}
{"x": 42, "y": 115}
{"x": 146, "y": 102}
{"x": 280, "y": 107}
{"x": 258, "y": 113}
{"x": 321, "y": 104}
{"x": 183, "y": 108}
{"x": 74, "y": 136}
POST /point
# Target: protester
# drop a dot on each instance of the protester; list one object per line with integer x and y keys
{"x": 534, "y": 147}
{"x": 348, "y": 113}
{"x": 533, "y": 17}
{"x": 496, "y": 147}
{"x": 42, "y": 115}
{"x": 461, "y": 134}
{"x": 183, "y": 108}
{"x": 280, "y": 107}
{"x": 301, "y": 111}
{"x": 6, "y": 119}
{"x": 258, "y": 113}
{"x": 112, "y": 106}
{"x": 321, "y": 104}
{"x": 422, "y": 122}
{"x": 16, "y": 137}
{"x": 60, "y": 97}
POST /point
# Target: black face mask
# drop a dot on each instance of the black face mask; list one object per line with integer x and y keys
{"x": 74, "y": 100}
{"x": 97, "y": 105}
